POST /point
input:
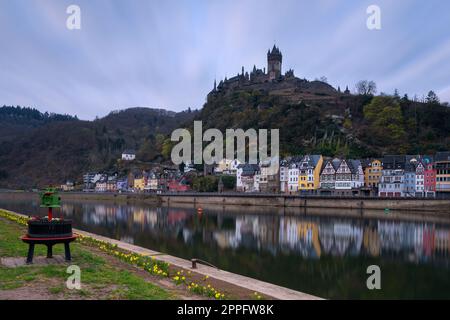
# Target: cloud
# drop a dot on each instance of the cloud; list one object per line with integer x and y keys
{"x": 167, "y": 54}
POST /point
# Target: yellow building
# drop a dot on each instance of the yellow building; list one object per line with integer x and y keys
{"x": 372, "y": 173}
{"x": 309, "y": 232}
{"x": 139, "y": 183}
{"x": 309, "y": 172}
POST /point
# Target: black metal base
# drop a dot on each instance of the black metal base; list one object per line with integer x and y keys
{"x": 49, "y": 243}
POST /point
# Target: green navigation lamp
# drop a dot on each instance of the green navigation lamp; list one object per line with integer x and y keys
{"x": 50, "y": 199}
{"x": 49, "y": 231}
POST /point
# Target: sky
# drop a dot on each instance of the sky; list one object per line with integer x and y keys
{"x": 167, "y": 53}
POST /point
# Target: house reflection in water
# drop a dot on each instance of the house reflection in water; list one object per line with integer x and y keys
{"x": 306, "y": 236}
{"x": 324, "y": 249}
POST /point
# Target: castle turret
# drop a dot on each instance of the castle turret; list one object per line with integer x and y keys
{"x": 274, "y": 59}
{"x": 346, "y": 90}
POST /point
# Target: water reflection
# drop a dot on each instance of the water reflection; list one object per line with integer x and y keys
{"x": 307, "y": 236}
{"x": 270, "y": 246}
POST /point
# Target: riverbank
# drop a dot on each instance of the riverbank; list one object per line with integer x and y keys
{"x": 290, "y": 201}
{"x": 201, "y": 280}
{"x": 424, "y": 205}
{"x": 101, "y": 277}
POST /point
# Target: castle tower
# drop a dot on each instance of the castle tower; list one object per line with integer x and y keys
{"x": 274, "y": 59}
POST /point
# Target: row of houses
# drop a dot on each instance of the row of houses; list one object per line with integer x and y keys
{"x": 142, "y": 181}
{"x": 390, "y": 176}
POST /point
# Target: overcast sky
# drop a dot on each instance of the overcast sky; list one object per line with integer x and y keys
{"x": 166, "y": 54}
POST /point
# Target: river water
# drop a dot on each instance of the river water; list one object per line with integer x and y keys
{"x": 323, "y": 255}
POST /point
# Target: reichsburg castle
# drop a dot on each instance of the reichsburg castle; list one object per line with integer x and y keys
{"x": 273, "y": 79}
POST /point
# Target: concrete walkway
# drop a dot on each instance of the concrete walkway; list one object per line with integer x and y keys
{"x": 14, "y": 262}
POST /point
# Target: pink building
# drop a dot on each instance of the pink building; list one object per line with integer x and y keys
{"x": 430, "y": 180}
{"x": 178, "y": 186}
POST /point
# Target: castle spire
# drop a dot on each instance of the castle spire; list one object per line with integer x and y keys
{"x": 242, "y": 70}
{"x": 346, "y": 90}
{"x": 274, "y": 60}
{"x": 215, "y": 85}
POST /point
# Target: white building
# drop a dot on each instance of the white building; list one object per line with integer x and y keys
{"x": 357, "y": 173}
{"x": 128, "y": 155}
{"x": 343, "y": 176}
{"x": 420, "y": 179}
{"x": 227, "y": 166}
{"x": 189, "y": 166}
{"x": 152, "y": 182}
{"x": 284, "y": 176}
{"x": 293, "y": 173}
{"x": 269, "y": 175}
{"x": 247, "y": 178}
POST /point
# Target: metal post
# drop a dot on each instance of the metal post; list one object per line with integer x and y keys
{"x": 49, "y": 251}
{"x": 30, "y": 253}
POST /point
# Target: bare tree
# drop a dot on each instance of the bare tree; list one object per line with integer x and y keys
{"x": 365, "y": 87}
{"x": 432, "y": 98}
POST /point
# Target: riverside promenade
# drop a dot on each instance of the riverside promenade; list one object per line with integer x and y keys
{"x": 309, "y": 201}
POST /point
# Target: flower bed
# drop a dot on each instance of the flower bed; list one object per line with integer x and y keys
{"x": 14, "y": 217}
{"x": 155, "y": 267}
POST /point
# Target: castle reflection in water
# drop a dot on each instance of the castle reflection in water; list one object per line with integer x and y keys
{"x": 310, "y": 237}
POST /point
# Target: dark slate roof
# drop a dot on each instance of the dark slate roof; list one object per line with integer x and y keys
{"x": 310, "y": 160}
{"x": 295, "y": 159}
{"x": 353, "y": 165}
{"x": 129, "y": 151}
{"x": 410, "y": 166}
{"x": 249, "y": 169}
{"x": 394, "y": 162}
{"x": 442, "y": 156}
{"x": 366, "y": 162}
{"x": 336, "y": 163}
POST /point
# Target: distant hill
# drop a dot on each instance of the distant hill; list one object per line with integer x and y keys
{"x": 38, "y": 149}
{"x": 15, "y": 120}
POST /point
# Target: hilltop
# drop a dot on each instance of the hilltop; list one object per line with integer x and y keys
{"x": 334, "y": 124}
{"x": 314, "y": 117}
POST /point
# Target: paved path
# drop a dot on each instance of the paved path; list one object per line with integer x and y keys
{"x": 13, "y": 262}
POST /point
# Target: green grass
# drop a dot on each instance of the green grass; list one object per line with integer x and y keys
{"x": 98, "y": 278}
